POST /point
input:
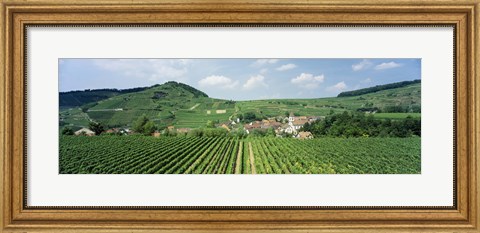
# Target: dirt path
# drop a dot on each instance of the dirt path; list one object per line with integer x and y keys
{"x": 194, "y": 106}
{"x": 252, "y": 158}
{"x": 238, "y": 167}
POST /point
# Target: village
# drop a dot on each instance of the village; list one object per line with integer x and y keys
{"x": 283, "y": 127}
{"x": 290, "y": 126}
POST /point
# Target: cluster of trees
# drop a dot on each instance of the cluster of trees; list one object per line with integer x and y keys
{"x": 377, "y": 88}
{"x": 96, "y": 127}
{"x": 219, "y": 132}
{"x": 79, "y": 98}
{"x": 393, "y": 109}
{"x": 252, "y": 116}
{"x": 249, "y": 117}
{"x": 67, "y": 131}
{"x": 144, "y": 126}
{"x": 200, "y": 132}
{"x": 360, "y": 125}
{"x": 270, "y": 132}
{"x": 404, "y": 109}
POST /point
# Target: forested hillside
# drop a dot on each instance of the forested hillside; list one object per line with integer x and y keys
{"x": 378, "y": 88}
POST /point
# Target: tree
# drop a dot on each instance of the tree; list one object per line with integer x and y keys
{"x": 195, "y": 133}
{"x": 249, "y": 117}
{"x": 270, "y": 132}
{"x": 144, "y": 126}
{"x": 149, "y": 128}
{"x": 258, "y": 133}
{"x": 210, "y": 124}
{"x": 138, "y": 125}
{"x": 357, "y": 124}
{"x": 170, "y": 132}
{"x": 67, "y": 131}
{"x": 238, "y": 133}
{"x": 96, "y": 127}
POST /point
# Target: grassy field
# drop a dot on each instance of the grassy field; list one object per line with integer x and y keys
{"x": 223, "y": 155}
{"x": 74, "y": 117}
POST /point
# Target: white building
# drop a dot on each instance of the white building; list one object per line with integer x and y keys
{"x": 84, "y": 131}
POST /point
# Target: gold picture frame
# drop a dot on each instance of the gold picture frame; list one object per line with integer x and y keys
{"x": 464, "y": 15}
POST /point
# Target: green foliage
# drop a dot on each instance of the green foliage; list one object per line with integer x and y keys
{"x": 170, "y": 132}
{"x": 361, "y": 125}
{"x": 215, "y": 132}
{"x": 252, "y": 116}
{"x": 96, "y": 127}
{"x": 87, "y": 106}
{"x": 258, "y": 133}
{"x": 378, "y": 88}
{"x": 193, "y": 90}
{"x": 144, "y": 126}
{"x": 149, "y": 128}
{"x": 195, "y": 133}
{"x": 67, "y": 131}
{"x": 401, "y": 109}
{"x": 79, "y": 98}
{"x": 137, "y": 154}
{"x": 238, "y": 133}
{"x": 210, "y": 124}
{"x": 139, "y": 124}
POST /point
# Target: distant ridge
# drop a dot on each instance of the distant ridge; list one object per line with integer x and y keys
{"x": 81, "y": 97}
{"x": 378, "y": 88}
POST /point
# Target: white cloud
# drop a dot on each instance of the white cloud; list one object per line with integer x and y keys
{"x": 286, "y": 67}
{"x": 308, "y": 81}
{"x": 387, "y": 65}
{"x": 262, "y": 62}
{"x": 153, "y": 69}
{"x": 264, "y": 71}
{"x": 218, "y": 81}
{"x": 255, "y": 82}
{"x": 362, "y": 65}
{"x": 338, "y": 87}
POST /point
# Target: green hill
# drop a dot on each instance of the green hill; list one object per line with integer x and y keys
{"x": 378, "y": 88}
{"x": 166, "y": 104}
{"x": 78, "y": 98}
{"x": 178, "y": 104}
{"x": 403, "y": 100}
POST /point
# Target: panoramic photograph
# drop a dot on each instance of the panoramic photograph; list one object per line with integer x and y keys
{"x": 240, "y": 116}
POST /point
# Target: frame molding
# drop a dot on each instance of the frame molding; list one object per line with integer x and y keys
{"x": 17, "y": 14}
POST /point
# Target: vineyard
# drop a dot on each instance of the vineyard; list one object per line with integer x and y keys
{"x": 202, "y": 155}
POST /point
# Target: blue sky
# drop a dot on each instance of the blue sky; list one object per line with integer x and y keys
{"x": 240, "y": 79}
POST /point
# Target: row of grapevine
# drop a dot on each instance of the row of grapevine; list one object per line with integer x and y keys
{"x": 204, "y": 155}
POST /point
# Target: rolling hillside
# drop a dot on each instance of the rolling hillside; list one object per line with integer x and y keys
{"x": 184, "y": 106}
{"x": 73, "y": 99}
